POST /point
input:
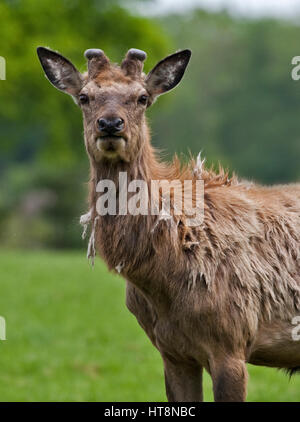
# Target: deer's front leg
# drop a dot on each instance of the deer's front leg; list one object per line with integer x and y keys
{"x": 229, "y": 378}
{"x": 183, "y": 381}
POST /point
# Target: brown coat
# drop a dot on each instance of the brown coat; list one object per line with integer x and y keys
{"x": 214, "y": 296}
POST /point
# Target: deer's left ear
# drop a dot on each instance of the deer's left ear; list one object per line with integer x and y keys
{"x": 167, "y": 73}
{"x": 60, "y": 71}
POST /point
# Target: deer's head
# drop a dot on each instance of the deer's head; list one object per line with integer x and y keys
{"x": 114, "y": 98}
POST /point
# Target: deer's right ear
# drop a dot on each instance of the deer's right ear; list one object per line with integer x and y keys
{"x": 167, "y": 73}
{"x": 60, "y": 71}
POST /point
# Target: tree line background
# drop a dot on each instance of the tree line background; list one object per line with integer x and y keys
{"x": 237, "y": 104}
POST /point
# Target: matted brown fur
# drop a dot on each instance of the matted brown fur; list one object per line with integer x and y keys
{"x": 248, "y": 286}
{"x": 244, "y": 259}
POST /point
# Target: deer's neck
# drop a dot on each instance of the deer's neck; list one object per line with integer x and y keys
{"x": 144, "y": 167}
{"x": 125, "y": 241}
{"x": 146, "y": 253}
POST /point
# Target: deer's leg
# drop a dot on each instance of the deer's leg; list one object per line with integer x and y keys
{"x": 183, "y": 381}
{"x": 229, "y": 378}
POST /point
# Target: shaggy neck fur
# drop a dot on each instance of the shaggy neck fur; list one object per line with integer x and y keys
{"x": 128, "y": 243}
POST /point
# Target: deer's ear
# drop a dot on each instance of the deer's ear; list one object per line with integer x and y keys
{"x": 167, "y": 73}
{"x": 60, "y": 71}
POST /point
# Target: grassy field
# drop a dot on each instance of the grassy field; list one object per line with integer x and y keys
{"x": 71, "y": 338}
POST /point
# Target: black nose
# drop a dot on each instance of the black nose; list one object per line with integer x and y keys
{"x": 110, "y": 125}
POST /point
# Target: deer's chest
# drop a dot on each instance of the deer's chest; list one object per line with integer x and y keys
{"x": 171, "y": 335}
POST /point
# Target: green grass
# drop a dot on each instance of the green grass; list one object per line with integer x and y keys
{"x": 70, "y": 337}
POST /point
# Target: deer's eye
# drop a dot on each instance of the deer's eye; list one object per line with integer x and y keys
{"x": 83, "y": 98}
{"x": 143, "y": 99}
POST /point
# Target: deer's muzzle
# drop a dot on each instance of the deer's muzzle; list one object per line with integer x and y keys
{"x": 110, "y": 126}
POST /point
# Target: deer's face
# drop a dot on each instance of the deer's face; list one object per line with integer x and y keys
{"x": 114, "y": 99}
{"x": 114, "y": 115}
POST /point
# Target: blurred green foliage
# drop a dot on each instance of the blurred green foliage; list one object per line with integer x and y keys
{"x": 237, "y": 103}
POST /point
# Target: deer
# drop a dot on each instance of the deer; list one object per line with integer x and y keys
{"x": 213, "y": 296}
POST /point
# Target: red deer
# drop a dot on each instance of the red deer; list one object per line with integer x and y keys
{"x": 214, "y": 296}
